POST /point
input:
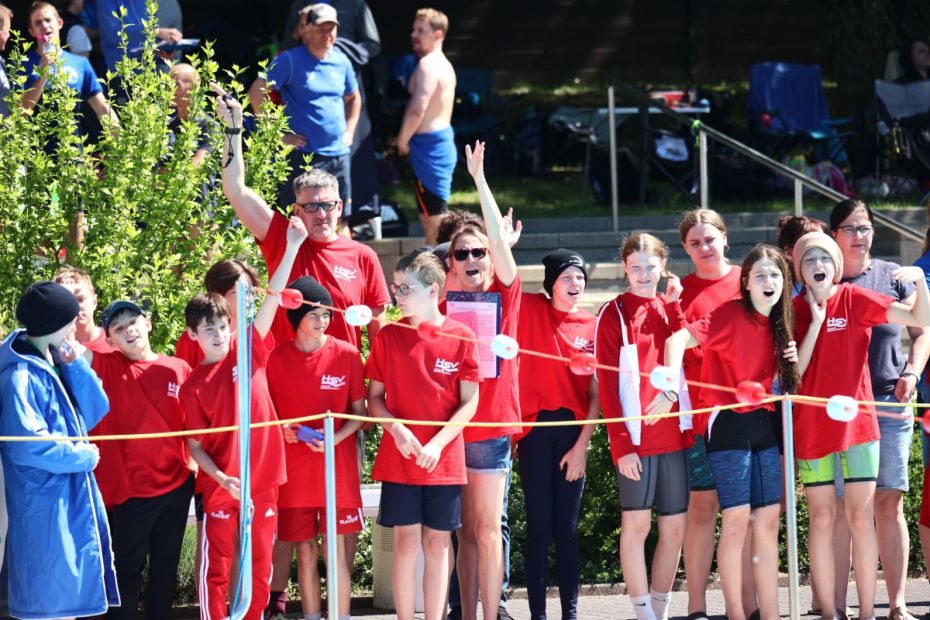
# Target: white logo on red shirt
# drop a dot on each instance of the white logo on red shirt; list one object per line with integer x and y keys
{"x": 836, "y": 324}
{"x": 235, "y": 374}
{"x": 270, "y": 512}
{"x": 444, "y": 367}
{"x": 344, "y": 273}
{"x": 173, "y": 389}
{"x": 225, "y": 516}
{"x": 583, "y": 344}
{"x": 331, "y": 382}
{"x": 352, "y": 518}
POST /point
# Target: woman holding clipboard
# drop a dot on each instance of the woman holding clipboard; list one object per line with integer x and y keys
{"x": 483, "y": 263}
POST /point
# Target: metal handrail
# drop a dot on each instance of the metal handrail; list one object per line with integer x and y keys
{"x": 800, "y": 179}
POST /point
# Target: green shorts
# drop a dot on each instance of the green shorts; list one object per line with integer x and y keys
{"x": 860, "y": 464}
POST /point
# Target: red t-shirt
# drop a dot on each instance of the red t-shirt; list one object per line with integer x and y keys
{"x": 143, "y": 399}
{"x": 349, "y": 270}
{"x": 839, "y": 365}
{"x": 699, "y": 298}
{"x": 499, "y": 399}
{"x": 100, "y": 344}
{"x": 209, "y": 400}
{"x": 302, "y": 384}
{"x": 547, "y": 384}
{"x": 421, "y": 382}
{"x": 649, "y": 323}
{"x": 738, "y": 346}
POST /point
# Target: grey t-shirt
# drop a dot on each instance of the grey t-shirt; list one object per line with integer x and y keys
{"x": 886, "y": 357}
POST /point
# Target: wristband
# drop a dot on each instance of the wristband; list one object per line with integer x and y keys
{"x": 232, "y": 131}
{"x": 910, "y": 372}
{"x": 671, "y": 395}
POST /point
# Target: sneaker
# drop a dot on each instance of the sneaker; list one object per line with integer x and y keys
{"x": 455, "y": 613}
{"x": 503, "y": 614}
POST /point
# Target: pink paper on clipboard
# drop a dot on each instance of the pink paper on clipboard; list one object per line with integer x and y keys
{"x": 482, "y": 313}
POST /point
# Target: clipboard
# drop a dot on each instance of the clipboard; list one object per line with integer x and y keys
{"x": 482, "y": 312}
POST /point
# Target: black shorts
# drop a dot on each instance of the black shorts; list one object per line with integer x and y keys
{"x": 198, "y": 507}
{"x": 428, "y": 202}
{"x": 663, "y": 483}
{"x": 437, "y": 507}
{"x": 731, "y": 430}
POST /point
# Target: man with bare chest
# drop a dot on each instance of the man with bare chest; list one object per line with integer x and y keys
{"x": 426, "y": 133}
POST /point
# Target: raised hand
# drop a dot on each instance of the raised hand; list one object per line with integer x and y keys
{"x": 475, "y": 159}
{"x": 227, "y": 107}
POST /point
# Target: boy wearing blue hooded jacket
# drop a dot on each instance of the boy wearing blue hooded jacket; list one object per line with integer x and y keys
{"x": 58, "y": 546}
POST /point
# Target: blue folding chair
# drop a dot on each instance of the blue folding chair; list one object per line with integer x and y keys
{"x": 788, "y": 110}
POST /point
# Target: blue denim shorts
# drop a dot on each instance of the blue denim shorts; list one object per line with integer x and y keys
{"x": 894, "y": 445}
{"x": 488, "y": 456}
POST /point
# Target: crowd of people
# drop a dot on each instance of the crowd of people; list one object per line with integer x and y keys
{"x": 816, "y": 315}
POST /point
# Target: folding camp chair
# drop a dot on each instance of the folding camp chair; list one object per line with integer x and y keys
{"x": 788, "y": 111}
{"x": 903, "y": 129}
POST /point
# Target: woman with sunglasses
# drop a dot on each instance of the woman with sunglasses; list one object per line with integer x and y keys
{"x": 894, "y": 379}
{"x": 482, "y": 262}
{"x": 553, "y": 458}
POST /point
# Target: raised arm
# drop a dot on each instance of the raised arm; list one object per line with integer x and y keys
{"x": 252, "y": 211}
{"x": 818, "y": 316}
{"x": 498, "y": 236}
{"x": 296, "y": 233}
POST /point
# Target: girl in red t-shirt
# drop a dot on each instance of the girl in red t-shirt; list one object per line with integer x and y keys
{"x": 741, "y": 341}
{"x": 650, "y": 455}
{"x": 834, "y": 325}
{"x": 714, "y": 282}
{"x": 553, "y": 458}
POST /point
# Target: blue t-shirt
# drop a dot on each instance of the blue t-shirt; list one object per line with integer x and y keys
{"x": 313, "y": 91}
{"x": 110, "y": 26}
{"x": 80, "y": 74}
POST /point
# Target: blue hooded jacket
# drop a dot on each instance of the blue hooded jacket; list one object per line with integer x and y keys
{"x": 58, "y": 551}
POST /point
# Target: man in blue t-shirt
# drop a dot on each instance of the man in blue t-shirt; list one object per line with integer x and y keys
{"x": 321, "y": 99}
{"x": 45, "y": 26}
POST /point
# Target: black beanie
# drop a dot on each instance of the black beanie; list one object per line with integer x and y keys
{"x": 557, "y": 261}
{"x": 45, "y": 308}
{"x": 312, "y": 291}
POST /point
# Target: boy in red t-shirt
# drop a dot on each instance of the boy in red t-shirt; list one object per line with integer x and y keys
{"x": 421, "y": 467}
{"x": 86, "y": 331}
{"x": 315, "y": 373}
{"x": 209, "y": 401}
{"x": 146, "y": 484}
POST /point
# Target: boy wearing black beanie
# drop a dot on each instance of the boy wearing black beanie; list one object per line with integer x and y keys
{"x": 310, "y": 374}
{"x": 48, "y": 390}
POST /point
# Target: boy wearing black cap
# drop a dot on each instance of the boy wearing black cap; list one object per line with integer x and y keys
{"x": 315, "y": 373}
{"x": 63, "y": 568}
{"x": 146, "y": 484}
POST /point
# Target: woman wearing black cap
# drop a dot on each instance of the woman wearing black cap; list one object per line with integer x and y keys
{"x": 58, "y": 534}
{"x": 553, "y": 459}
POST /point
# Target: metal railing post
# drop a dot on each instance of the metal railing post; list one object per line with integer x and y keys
{"x": 702, "y": 154}
{"x": 798, "y": 197}
{"x": 332, "y": 568}
{"x": 612, "y": 144}
{"x": 791, "y": 515}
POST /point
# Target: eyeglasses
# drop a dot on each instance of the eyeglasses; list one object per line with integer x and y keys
{"x": 313, "y": 207}
{"x": 852, "y": 231}
{"x": 402, "y": 290}
{"x": 476, "y": 253}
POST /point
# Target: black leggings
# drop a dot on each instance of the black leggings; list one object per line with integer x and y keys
{"x": 552, "y": 506}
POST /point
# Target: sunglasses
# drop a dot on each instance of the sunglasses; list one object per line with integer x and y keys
{"x": 313, "y": 207}
{"x": 476, "y": 253}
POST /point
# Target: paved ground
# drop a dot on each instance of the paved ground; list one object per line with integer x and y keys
{"x": 606, "y": 603}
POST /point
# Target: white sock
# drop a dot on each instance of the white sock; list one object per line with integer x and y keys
{"x": 642, "y": 607}
{"x": 660, "y": 602}
{"x": 313, "y": 616}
